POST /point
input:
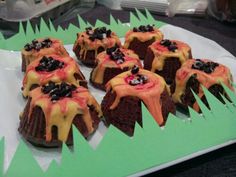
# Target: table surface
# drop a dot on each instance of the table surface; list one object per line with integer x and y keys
{"x": 220, "y": 163}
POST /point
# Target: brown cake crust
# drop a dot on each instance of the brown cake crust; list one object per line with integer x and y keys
{"x": 129, "y": 111}
{"x": 110, "y": 63}
{"x": 122, "y": 116}
{"x": 121, "y": 105}
{"x": 108, "y": 75}
{"x": 195, "y": 73}
{"x": 171, "y": 60}
{"x": 171, "y": 65}
{"x": 193, "y": 84}
{"x": 87, "y": 49}
{"x": 56, "y": 48}
{"x": 139, "y": 38}
{"x": 33, "y": 128}
{"x": 140, "y": 47}
{"x": 69, "y": 72}
{"x": 90, "y": 56}
{"x": 48, "y": 115}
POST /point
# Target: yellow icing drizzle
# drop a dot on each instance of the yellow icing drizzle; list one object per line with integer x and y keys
{"x": 104, "y": 62}
{"x": 57, "y": 48}
{"x": 65, "y": 74}
{"x": 86, "y": 44}
{"x": 220, "y": 75}
{"x": 141, "y": 36}
{"x": 183, "y": 53}
{"x": 62, "y": 112}
{"x": 149, "y": 93}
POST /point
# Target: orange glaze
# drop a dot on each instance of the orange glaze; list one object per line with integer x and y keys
{"x": 142, "y": 36}
{"x": 86, "y": 44}
{"x": 104, "y": 62}
{"x": 161, "y": 53}
{"x": 149, "y": 93}
{"x": 221, "y": 74}
{"x": 61, "y": 74}
{"x": 56, "y": 48}
{"x": 62, "y": 112}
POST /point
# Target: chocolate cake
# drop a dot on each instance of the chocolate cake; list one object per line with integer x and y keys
{"x": 41, "y": 47}
{"x": 121, "y": 105}
{"x": 165, "y": 57}
{"x": 139, "y": 38}
{"x": 93, "y": 41}
{"x": 52, "y": 68}
{"x": 53, "y": 108}
{"x": 196, "y": 73}
{"x": 112, "y": 62}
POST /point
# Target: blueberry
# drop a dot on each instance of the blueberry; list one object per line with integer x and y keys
{"x": 47, "y": 40}
{"x": 38, "y": 46}
{"x": 34, "y": 41}
{"x": 39, "y": 68}
{"x": 55, "y": 97}
{"x": 73, "y": 87}
{"x": 150, "y": 28}
{"x": 108, "y": 33}
{"x": 134, "y": 82}
{"x": 135, "y": 29}
{"x": 169, "y": 81}
{"x": 103, "y": 29}
{"x": 120, "y": 61}
{"x": 28, "y": 47}
{"x": 135, "y": 69}
{"x": 172, "y": 47}
{"x": 144, "y": 78}
{"x": 198, "y": 65}
{"x": 100, "y": 36}
{"x": 165, "y": 42}
{"x": 208, "y": 70}
{"x": 69, "y": 94}
{"x": 110, "y": 50}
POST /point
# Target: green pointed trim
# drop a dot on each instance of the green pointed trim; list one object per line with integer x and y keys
{"x": 118, "y": 154}
{"x": 68, "y": 35}
{"x": 23, "y": 163}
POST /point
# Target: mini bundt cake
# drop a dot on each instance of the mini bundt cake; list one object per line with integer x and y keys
{"x": 53, "y": 108}
{"x": 121, "y": 105}
{"x": 112, "y": 62}
{"x": 165, "y": 57}
{"x": 93, "y": 41}
{"x": 40, "y": 47}
{"x": 139, "y": 38}
{"x": 195, "y": 73}
{"x": 52, "y": 68}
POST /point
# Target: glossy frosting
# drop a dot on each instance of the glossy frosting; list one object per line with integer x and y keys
{"x": 62, "y": 112}
{"x": 221, "y": 74}
{"x": 142, "y": 36}
{"x": 86, "y": 44}
{"x": 104, "y": 61}
{"x": 161, "y": 53}
{"x": 56, "y": 48}
{"x": 149, "y": 92}
{"x": 66, "y": 73}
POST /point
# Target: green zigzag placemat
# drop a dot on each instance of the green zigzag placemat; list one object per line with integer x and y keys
{"x": 117, "y": 154}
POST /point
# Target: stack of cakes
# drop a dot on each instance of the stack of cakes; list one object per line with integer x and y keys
{"x": 57, "y": 96}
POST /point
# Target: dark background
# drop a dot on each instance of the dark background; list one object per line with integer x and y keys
{"x": 220, "y": 163}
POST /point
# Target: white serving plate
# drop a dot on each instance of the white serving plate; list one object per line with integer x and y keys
{"x": 12, "y": 102}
